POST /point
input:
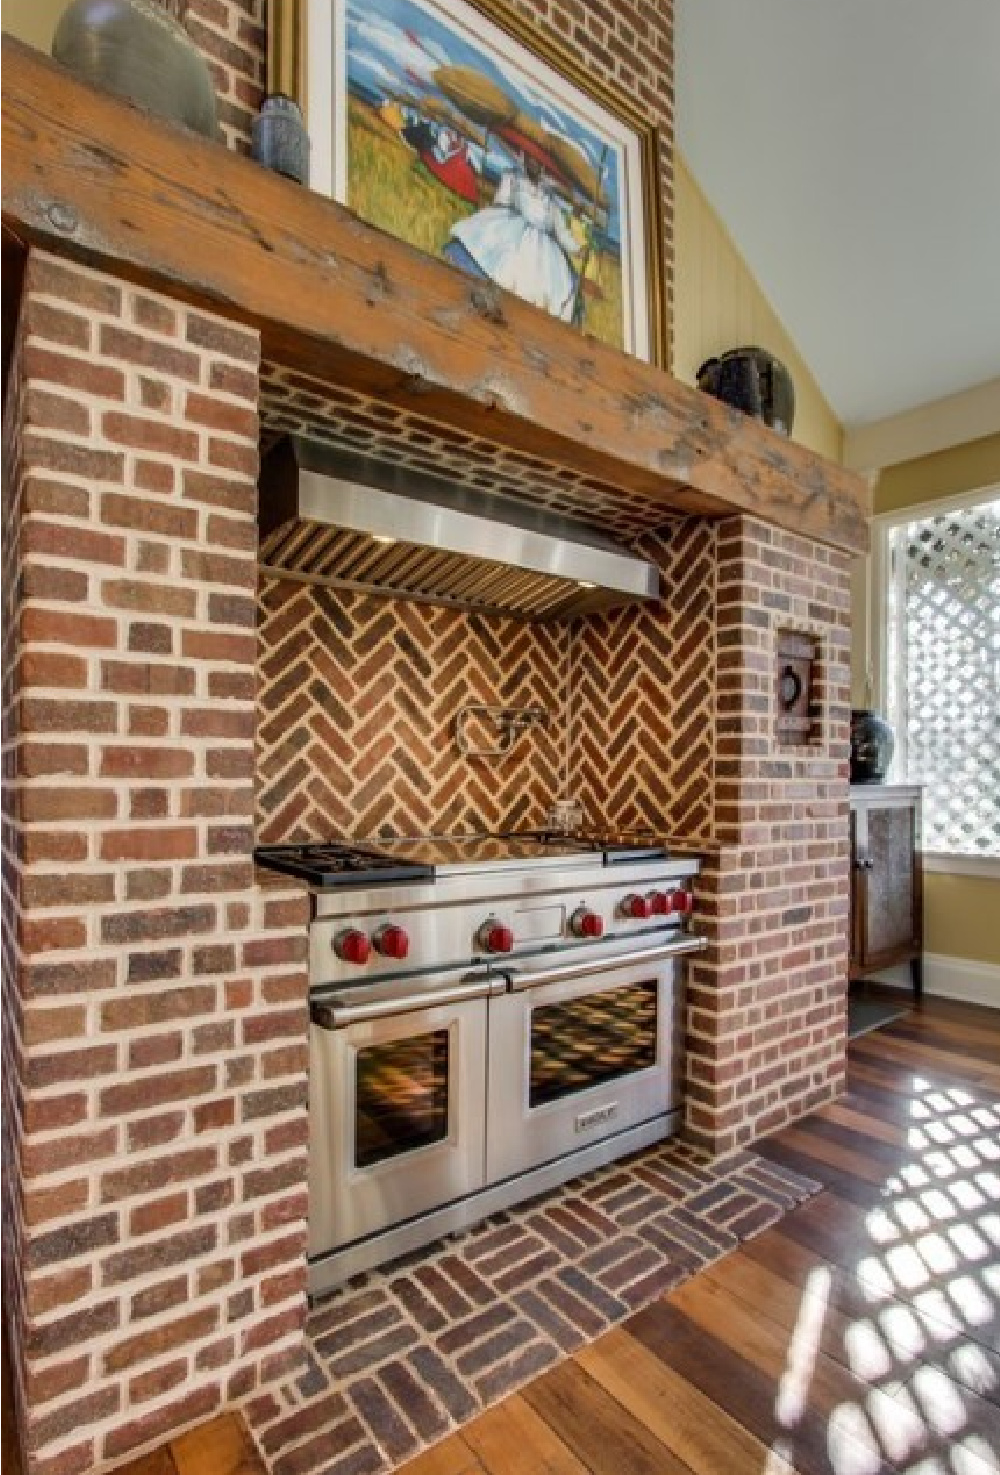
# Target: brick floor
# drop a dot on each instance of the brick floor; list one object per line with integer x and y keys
{"x": 403, "y": 1355}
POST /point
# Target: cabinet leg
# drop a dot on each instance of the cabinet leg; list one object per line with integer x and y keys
{"x": 917, "y": 978}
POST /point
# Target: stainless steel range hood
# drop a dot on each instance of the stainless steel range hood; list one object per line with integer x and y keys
{"x": 328, "y": 516}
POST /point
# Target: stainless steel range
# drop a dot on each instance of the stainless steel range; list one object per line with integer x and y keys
{"x": 491, "y": 1015}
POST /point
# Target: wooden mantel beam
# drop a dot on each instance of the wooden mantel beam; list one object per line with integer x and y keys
{"x": 91, "y": 177}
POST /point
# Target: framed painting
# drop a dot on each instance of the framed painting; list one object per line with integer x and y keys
{"x": 457, "y": 127}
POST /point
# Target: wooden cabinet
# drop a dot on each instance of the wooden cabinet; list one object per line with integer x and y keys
{"x": 886, "y": 881}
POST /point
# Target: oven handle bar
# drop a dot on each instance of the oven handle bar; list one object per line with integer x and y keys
{"x": 689, "y": 943}
{"x": 337, "y": 1013}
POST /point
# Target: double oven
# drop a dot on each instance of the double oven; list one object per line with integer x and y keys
{"x": 485, "y": 1035}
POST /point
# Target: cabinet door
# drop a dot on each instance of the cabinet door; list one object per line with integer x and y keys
{"x": 887, "y": 840}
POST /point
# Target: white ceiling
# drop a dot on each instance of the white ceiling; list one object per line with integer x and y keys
{"x": 852, "y": 149}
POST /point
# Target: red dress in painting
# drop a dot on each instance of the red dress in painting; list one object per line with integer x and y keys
{"x": 454, "y": 169}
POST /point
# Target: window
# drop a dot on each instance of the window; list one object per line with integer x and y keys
{"x": 941, "y": 686}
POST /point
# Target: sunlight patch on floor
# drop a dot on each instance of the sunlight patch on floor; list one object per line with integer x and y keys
{"x": 793, "y": 1390}
{"x": 932, "y": 1246}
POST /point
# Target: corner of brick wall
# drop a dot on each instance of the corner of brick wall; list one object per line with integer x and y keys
{"x": 157, "y": 1247}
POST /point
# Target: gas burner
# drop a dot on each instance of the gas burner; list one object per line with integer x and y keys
{"x": 339, "y": 863}
{"x": 619, "y": 847}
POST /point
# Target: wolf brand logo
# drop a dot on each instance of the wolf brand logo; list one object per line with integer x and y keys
{"x": 595, "y": 1118}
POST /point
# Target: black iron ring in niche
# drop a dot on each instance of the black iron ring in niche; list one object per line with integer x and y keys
{"x": 789, "y": 687}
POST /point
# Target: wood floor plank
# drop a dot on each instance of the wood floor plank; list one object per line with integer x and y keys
{"x": 812, "y": 1143}
{"x": 862, "y": 1414}
{"x": 851, "y": 1113}
{"x": 512, "y": 1439}
{"x": 833, "y": 1228}
{"x": 221, "y": 1447}
{"x": 939, "y": 1028}
{"x": 596, "y": 1427}
{"x": 859, "y": 1191}
{"x": 451, "y": 1457}
{"x": 895, "y": 1357}
{"x": 701, "y": 1434}
{"x": 905, "y": 1326}
{"x": 930, "y": 1060}
{"x": 742, "y": 1391}
{"x": 854, "y": 1140}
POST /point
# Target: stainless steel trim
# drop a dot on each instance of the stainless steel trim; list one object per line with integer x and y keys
{"x": 331, "y": 517}
{"x": 336, "y": 1012}
{"x": 455, "y": 886}
{"x": 606, "y": 963}
{"x": 326, "y": 1271}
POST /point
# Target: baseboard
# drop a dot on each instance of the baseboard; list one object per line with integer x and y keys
{"x": 946, "y": 977}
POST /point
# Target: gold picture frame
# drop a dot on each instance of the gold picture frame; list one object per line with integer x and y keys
{"x": 317, "y": 53}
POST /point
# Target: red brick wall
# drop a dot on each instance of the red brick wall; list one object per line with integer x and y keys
{"x": 12, "y": 1033}
{"x": 232, "y": 34}
{"x": 768, "y": 1001}
{"x": 157, "y": 1252}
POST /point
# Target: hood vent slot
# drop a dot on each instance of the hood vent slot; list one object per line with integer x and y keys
{"x": 328, "y": 517}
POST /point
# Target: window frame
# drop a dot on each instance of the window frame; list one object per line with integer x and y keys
{"x": 883, "y": 680}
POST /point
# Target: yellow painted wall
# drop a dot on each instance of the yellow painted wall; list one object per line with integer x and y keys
{"x": 945, "y": 474}
{"x": 962, "y": 913}
{"x": 718, "y": 305}
{"x": 33, "y": 20}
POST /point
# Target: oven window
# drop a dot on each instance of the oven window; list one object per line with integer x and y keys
{"x": 591, "y": 1040}
{"x": 401, "y": 1097}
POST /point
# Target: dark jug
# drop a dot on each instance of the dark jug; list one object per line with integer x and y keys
{"x": 754, "y": 381}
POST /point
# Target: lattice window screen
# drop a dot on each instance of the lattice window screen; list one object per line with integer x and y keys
{"x": 944, "y": 645}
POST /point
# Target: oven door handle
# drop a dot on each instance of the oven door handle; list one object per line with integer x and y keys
{"x": 689, "y": 943}
{"x": 338, "y": 1013}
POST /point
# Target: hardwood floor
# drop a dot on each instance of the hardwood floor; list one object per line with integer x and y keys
{"x": 858, "y": 1336}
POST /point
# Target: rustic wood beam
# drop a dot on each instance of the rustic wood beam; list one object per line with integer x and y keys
{"x": 91, "y": 177}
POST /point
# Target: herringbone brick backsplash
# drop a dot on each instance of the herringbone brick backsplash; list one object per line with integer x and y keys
{"x": 358, "y": 704}
{"x": 359, "y": 698}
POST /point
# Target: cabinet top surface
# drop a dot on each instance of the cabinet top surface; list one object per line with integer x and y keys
{"x": 872, "y": 793}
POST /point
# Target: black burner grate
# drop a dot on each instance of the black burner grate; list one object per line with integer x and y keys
{"x": 333, "y": 864}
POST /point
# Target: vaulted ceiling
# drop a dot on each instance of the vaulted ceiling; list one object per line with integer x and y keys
{"x": 852, "y": 149}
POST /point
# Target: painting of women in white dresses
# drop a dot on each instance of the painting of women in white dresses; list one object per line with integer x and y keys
{"x": 460, "y": 146}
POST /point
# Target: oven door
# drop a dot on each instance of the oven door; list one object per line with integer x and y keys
{"x": 582, "y": 1051}
{"x": 396, "y": 1110}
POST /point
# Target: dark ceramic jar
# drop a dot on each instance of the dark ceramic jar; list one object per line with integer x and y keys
{"x": 140, "y": 50}
{"x": 754, "y": 381}
{"x": 872, "y": 745}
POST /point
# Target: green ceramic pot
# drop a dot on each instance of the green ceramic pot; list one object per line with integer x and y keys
{"x": 141, "y": 51}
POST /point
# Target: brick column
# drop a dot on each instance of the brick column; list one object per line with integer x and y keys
{"x": 155, "y": 998}
{"x": 767, "y": 1003}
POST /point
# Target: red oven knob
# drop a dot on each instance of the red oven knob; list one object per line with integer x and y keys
{"x": 659, "y": 903}
{"x": 352, "y": 946}
{"x": 681, "y": 901}
{"x": 391, "y": 941}
{"x": 494, "y": 937}
{"x": 585, "y": 923}
{"x": 636, "y": 906}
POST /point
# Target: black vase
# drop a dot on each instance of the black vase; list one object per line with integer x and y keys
{"x": 754, "y": 381}
{"x": 872, "y": 744}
